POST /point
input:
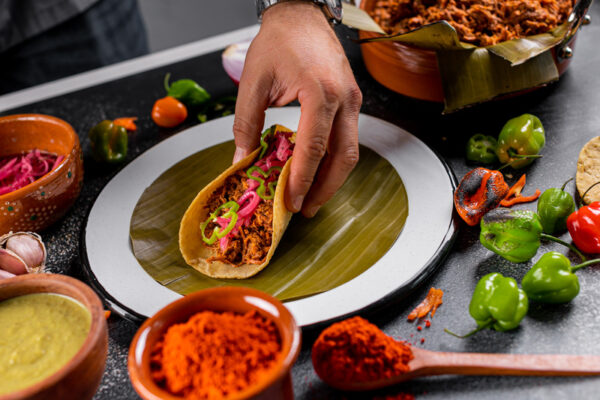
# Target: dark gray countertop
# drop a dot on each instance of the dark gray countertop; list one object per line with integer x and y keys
{"x": 569, "y": 110}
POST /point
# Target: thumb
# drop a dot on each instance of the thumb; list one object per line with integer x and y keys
{"x": 252, "y": 101}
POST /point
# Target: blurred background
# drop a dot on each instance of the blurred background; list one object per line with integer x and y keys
{"x": 174, "y": 22}
{"x": 45, "y": 41}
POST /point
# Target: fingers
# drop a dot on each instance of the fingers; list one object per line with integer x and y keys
{"x": 316, "y": 119}
{"x": 252, "y": 101}
{"x": 340, "y": 160}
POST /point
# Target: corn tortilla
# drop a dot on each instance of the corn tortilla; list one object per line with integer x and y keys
{"x": 195, "y": 253}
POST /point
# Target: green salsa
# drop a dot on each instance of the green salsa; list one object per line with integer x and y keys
{"x": 39, "y": 333}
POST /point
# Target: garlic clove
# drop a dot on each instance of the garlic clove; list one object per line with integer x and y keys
{"x": 5, "y": 274}
{"x": 10, "y": 262}
{"x": 30, "y": 248}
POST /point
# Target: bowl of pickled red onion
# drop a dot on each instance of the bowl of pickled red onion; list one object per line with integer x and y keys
{"x": 41, "y": 171}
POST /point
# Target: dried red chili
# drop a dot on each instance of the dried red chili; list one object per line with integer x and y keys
{"x": 431, "y": 302}
{"x": 514, "y": 194}
{"x": 478, "y": 192}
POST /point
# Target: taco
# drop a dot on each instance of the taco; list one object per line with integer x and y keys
{"x": 232, "y": 227}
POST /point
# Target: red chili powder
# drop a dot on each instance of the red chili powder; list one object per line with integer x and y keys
{"x": 213, "y": 355}
{"x": 356, "y": 350}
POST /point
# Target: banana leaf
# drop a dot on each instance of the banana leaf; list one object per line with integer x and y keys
{"x": 348, "y": 235}
{"x": 490, "y": 66}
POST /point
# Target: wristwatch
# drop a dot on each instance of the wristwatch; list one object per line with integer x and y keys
{"x": 331, "y": 8}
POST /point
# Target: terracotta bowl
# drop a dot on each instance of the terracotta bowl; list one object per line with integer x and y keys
{"x": 277, "y": 384}
{"x": 39, "y": 204}
{"x": 80, "y": 377}
{"x": 409, "y": 70}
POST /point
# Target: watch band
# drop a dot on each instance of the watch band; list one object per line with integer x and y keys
{"x": 331, "y": 8}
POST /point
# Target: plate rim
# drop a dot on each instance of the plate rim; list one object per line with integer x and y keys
{"x": 402, "y": 291}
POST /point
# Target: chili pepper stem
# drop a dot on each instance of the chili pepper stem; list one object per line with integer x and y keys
{"x": 166, "y": 81}
{"x": 565, "y": 184}
{"x": 585, "y": 264}
{"x": 569, "y": 245}
{"x": 584, "y": 193}
{"x": 474, "y": 331}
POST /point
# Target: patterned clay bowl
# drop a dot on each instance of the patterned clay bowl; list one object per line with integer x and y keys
{"x": 275, "y": 384}
{"x": 41, "y": 203}
{"x": 80, "y": 377}
{"x": 413, "y": 71}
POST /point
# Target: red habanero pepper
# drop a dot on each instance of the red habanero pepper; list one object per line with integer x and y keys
{"x": 584, "y": 226}
{"x": 479, "y": 191}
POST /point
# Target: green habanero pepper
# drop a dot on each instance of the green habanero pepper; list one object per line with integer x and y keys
{"x": 515, "y": 234}
{"x": 482, "y": 148}
{"x": 109, "y": 142}
{"x": 552, "y": 279}
{"x": 520, "y": 141}
{"x": 512, "y": 234}
{"x": 554, "y": 207}
{"x": 497, "y": 303}
{"x": 187, "y": 91}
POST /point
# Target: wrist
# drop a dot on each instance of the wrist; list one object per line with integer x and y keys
{"x": 291, "y": 9}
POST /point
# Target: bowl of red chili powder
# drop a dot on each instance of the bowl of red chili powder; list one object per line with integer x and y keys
{"x": 220, "y": 343}
{"x": 41, "y": 171}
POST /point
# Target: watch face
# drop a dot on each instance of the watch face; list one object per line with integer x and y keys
{"x": 335, "y": 6}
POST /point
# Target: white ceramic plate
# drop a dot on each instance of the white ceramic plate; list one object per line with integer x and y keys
{"x": 426, "y": 237}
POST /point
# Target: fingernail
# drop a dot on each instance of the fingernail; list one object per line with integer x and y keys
{"x": 238, "y": 155}
{"x": 312, "y": 211}
{"x": 297, "y": 203}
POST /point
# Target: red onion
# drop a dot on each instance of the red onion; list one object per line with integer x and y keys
{"x": 252, "y": 199}
{"x": 233, "y": 59}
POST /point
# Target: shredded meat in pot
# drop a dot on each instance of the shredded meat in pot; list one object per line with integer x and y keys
{"x": 252, "y": 244}
{"x": 480, "y": 22}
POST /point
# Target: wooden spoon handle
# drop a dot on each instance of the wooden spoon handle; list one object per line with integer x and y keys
{"x": 434, "y": 363}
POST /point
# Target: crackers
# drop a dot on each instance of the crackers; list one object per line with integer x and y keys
{"x": 588, "y": 170}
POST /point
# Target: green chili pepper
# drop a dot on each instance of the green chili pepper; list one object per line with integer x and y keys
{"x": 497, "y": 303}
{"x": 512, "y": 234}
{"x": 520, "y": 141}
{"x": 263, "y": 144}
{"x": 109, "y": 142}
{"x": 261, "y": 188}
{"x": 217, "y": 233}
{"x": 552, "y": 279}
{"x": 187, "y": 91}
{"x": 554, "y": 207}
{"x": 515, "y": 234}
{"x": 481, "y": 148}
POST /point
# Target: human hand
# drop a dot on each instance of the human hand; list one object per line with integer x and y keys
{"x": 296, "y": 55}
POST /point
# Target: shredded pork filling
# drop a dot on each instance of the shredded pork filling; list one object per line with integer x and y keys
{"x": 480, "y": 22}
{"x": 252, "y": 243}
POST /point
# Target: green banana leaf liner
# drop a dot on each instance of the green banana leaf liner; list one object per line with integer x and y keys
{"x": 472, "y": 74}
{"x": 348, "y": 235}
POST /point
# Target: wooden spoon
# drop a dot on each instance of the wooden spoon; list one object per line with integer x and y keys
{"x": 428, "y": 363}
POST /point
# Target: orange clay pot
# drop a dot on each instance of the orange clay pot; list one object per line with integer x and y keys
{"x": 39, "y": 204}
{"x": 409, "y": 70}
{"x": 275, "y": 384}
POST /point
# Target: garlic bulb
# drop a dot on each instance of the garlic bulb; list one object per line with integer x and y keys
{"x": 22, "y": 252}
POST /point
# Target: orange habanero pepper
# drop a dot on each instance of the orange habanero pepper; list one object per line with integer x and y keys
{"x": 168, "y": 112}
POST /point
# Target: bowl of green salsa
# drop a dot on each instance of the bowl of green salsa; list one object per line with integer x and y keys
{"x": 54, "y": 338}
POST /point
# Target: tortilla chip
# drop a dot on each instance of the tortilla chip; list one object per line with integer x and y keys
{"x": 588, "y": 170}
{"x": 195, "y": 253}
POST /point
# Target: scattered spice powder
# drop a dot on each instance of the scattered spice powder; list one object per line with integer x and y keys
{"x": 356, "y": 350}
{"x": 430, "y": 303}
{"x": 427, "y": 323}
{"x": 398, "y": 396}
{"x": 481, "y": 22}
{"x": 213, "y": 355}
{"x": 419, "y": 328}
